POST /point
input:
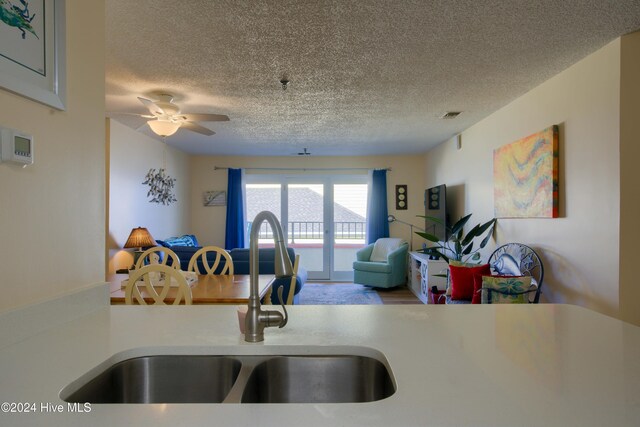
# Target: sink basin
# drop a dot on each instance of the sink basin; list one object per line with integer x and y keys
{"x": 162, "y": 379}
{"x": 318, "y": 379}
{"x": 291, "y": 375}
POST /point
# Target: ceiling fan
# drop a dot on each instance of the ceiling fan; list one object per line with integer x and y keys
{"x": 166, "y": 119}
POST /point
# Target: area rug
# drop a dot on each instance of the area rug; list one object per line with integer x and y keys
{"x": 337, "y": 293}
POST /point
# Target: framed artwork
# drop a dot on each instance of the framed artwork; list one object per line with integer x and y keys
{"x": 525, "y": 177}
{"x": 32, "y": 50}
{"x": 214, "y": 198}
{"x": 401, "y": 197}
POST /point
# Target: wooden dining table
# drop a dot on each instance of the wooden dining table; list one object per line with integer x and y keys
{"x": 208, "y": 289}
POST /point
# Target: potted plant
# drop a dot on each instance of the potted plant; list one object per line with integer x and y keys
{"x": 459, "y": 246}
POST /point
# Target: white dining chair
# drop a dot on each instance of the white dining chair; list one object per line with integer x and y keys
{"x": 151, "y": 257}
{"x": 211, "y": 263}
{"x": 156, "y": 280}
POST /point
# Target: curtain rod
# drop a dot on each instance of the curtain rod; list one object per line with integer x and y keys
{"x": 304, "y": 169}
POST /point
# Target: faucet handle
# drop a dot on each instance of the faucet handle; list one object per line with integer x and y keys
{"x": 286, "y": 315}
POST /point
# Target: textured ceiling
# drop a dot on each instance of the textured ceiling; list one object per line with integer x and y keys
{"x": 367, "y": 77}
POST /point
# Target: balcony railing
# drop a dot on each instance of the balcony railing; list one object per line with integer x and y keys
{"x": 314, "y": 230}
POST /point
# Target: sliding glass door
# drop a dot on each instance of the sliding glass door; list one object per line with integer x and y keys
{"x": 307, "y": 224}
{"x": 349, "y": 225}
{"x": 324, "y": 218}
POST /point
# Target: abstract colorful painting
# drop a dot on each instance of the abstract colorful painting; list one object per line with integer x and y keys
{"x": 525, "y": 177}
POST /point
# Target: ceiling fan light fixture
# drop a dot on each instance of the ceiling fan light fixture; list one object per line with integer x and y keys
{"x": 163, "y": 127}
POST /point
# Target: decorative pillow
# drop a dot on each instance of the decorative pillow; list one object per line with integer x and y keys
{"x": 477, "y": 286}
{"x": 462, "y": 280}
{"x": 185, "y": 240}
{"x": 463, "y": 264}
{"x": 506, "y": 265}
{"x": 383, "y": 247}
{"x": 506, "y": 289}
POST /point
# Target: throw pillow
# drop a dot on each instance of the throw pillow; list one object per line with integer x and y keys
{"x": 462, "y": 280}
{"x": 506, "y": 289}
{"x": 192, "y": 238}
{"x": 477, "y": 286}
{"x": 463, "y": 264}
{"x": 186, "y": 240}
{"x": 383, "y": 247}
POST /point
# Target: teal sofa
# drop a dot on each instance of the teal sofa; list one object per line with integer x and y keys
{"x": 382, "y": 274}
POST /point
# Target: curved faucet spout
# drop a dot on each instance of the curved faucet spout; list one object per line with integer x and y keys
{"x": 257, "y": 319}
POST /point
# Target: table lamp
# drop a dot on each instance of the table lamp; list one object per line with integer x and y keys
{"x": 139, "y": 238}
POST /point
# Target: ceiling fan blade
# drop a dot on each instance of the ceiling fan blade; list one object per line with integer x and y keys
{"x": 146, "y": 116}
{"x": 194, "y": 127}
{"x": 206, "y": 117}
{"x": 152, "y": 107}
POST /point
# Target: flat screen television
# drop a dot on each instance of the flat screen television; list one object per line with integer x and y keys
{"x": 435, "y": 205}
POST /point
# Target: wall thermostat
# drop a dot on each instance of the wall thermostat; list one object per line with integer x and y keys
{"x": 17, "y": 147}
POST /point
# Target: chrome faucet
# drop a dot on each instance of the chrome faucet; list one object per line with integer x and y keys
{"x": 257, "y": 319}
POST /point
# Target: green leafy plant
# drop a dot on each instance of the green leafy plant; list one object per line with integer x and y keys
{"x": 459, "y": 246}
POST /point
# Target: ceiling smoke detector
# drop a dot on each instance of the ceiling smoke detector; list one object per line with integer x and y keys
{"x": 450, "y": 114}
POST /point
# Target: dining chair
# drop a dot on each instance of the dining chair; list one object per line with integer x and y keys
{"x": 292, "y": 286}
{"x": 516, "y": 259}
{"x": 156, "y": 280}
{"x": 210, "y": 263}
{"x": 151, "y": 256}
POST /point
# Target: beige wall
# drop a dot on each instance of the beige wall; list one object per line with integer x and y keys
{"x": 52, "y": 214}
{"x": 580, "y": 250}
{"x": 630, "y": 177}
{"x": 208, "y": 222}
{"x": 132, "y": 154}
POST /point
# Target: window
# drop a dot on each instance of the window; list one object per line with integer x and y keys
{"x": 324, "y": 218}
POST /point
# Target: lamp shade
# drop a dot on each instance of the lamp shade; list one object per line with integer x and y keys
{"x": 140, "y": 238}
{"x": 163, "y": 127}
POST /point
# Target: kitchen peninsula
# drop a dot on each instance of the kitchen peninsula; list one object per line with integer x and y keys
{"x": 501, "y": 365}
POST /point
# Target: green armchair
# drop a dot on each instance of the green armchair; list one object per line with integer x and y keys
{"x": 382, "y": 264}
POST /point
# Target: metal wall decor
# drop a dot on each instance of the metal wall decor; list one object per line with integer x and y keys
{"x": 160, "y": 187}
{"x": 214, "y": 198}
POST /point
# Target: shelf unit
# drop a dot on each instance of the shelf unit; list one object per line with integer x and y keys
{"x": 421, "y": 271}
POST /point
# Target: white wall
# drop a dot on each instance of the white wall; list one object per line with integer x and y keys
{"x": 131, "y": 155}
{"x": 630, "y": 177}
{"x": 209, "y": 222}
{"x": 580, "y": 250}
{"x": 52, "y": 214}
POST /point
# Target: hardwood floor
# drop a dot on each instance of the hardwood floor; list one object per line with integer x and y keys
{"x": 398, "y": 295}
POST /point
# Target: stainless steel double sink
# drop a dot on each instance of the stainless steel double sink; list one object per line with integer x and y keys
{"x": 327, "y": 376}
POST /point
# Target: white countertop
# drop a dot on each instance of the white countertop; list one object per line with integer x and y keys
{"x": 507, "y": 365}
